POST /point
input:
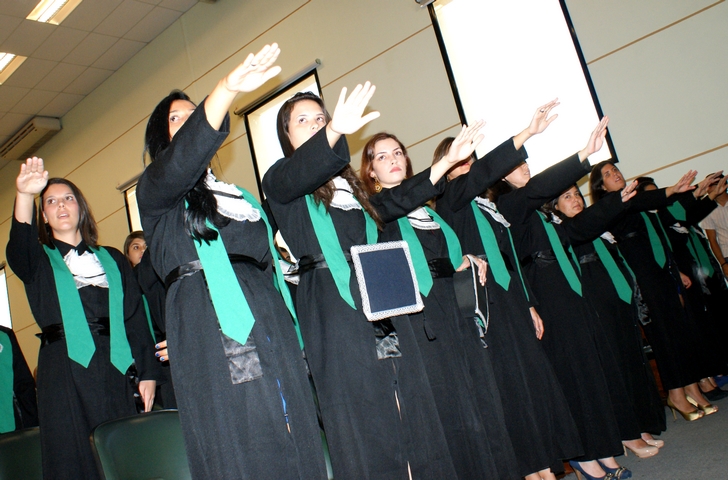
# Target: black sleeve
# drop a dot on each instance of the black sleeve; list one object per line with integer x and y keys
{"x": 413, "y": 192}
{"x": 649, "y": 200}
{"x": 484, "y": 172}
{"x": 697, "y": 210}
{"x": 23, "y": 384}
{"x": 177, "y": 169}
{"x": 153, "y": 289}
{"x": 518, "y": 205}
{"x": 24, "y": 250}
{"x": 310, "y": 166}
{"x": 595, "y": 220}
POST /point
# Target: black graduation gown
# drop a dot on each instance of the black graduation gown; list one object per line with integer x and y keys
{"x": 703, "y": 322}
{"x": 155, "y": 295}
{"x": 620, "y": 323}
{"x": 231, "y": 430}
{"x": 72, "y": 400}
{"x": 536, "y": 414}
{"x": 667, "y": 332}
{"x": 480, "y": 446}
{"x": 570, "y": 339}
{"x": 25, "y": 406}
{"x": 379, "y": 415}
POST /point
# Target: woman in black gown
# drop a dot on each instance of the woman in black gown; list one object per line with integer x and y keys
{"x": 462, "y": 381}
{"x": 376, "y": 405}
{"x": 19, "y": 408}
{"x": 536, "y": 414}
{"x": 244, "y": 401}
{"x": 88, "y": 306}
{"x": 654, "y": 267}
{"x": 610, "y": 287}
{"x": 569, "y": 338}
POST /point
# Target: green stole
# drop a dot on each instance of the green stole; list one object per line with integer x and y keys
{"x": 79, "y": 341}
{"x": 422, "y": 269}
{"x": 493, "y": 253}
{"x": 566, "y": 268}
{"x": 7, "y": 409}
{"x": 149, "y": 317}
{"x": 695, "y": 246}
{"x": 658, "y": 251}
{"x": 231, "y": 307}
{"x": 697, "y": 250}
{"x": 323, "y": 227}
{"x": 624, "y": 290}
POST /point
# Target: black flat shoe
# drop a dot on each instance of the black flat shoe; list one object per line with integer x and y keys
{"x": 715, "y": 394}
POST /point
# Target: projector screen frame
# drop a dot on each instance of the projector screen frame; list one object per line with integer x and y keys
{"x": 577, "y": 48}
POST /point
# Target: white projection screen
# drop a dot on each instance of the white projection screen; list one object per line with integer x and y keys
{"x": 5, "y": 319}
{"x": 509, "y": 57}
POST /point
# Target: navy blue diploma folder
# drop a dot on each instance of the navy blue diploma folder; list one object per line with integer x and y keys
{"x": 387, "y": 280}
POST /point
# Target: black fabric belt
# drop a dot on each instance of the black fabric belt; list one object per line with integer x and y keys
{"x": 312, "y": 262}
{"x": 190, "y": 268}
{"x": 441, "y": 268}
{"x": 541, "y": 258}
{"x": 55, "y": 332}
{"x": 588, "y": 258}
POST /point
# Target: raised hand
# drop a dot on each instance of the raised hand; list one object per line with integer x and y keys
{"x": 684, "y": 184}
{"x": 720, "y": 187}
{"x": 541, "y": 119}
{"x": 347, "y": 117}
{"x": 596, "y": 139}
{"x": 32, "y": 178}
{"x": 254, "y": 71}
{"x": 465, "y": 143}
{"x": 629, "y": 191}
{"x": 705, "y": 184}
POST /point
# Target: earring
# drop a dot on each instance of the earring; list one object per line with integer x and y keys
{"x": 377, "y": 185}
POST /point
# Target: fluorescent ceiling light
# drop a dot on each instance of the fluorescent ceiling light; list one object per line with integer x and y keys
{"x": 52, "y": 11}
{"x": 8, "y": 64}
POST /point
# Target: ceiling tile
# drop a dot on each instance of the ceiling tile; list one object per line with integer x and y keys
{"x": 151, "y": 2}
{"x": 60, "y": 43}
{"x": 90, "y": 49}
{"x": 27, "y": 37}
{"x": 60, "y": 105}
{"x": 88, "y": 81}
{"x": 33, "y": 102}
{"x": 152, "y": 24}
{"x": 90, "y": 13}
{"x": 7, "y": 25}
{"x": 12, "y": 122}
{"x": 30, "y": 73}
{"x": 60, "y": 77}
{"x": 121, "y": 20}
{"x": 18, "y": 8}
{"x": 9, "y": 96}
{"x": 118, "y": 54}
{"x": 179, "y": 5}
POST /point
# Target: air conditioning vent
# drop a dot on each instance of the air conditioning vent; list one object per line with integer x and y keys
{"x": 30, "y": 138}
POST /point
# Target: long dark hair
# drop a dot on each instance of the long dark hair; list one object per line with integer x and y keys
{"x": 86, "y": 223}
{"x": 549, "y": 208}
{"x": 201, "y": 203}
{"x": 367, "y": 160}
{"x": 644, "y": 182}
{"x": 325, "y": 193}
{"x": 596, "y": 181}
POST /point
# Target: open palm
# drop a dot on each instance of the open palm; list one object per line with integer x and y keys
{"x": 255, "y": 70}
{"x": 32, "y": 178}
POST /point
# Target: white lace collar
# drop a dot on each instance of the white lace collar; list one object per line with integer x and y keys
{"x": 230, "y": 202}
{"x": 86, "y": 269}
{"x": 555, "y": 219}
{"x": 344, "y": 198}
{"x": 490, "y": 207}
{"x": 608, "y": 237}
{"x": 421, "y": 220}
{"x": 679, "y": 228}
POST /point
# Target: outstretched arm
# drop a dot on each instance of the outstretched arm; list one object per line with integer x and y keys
{"x": 246, "y": 77}
{"x": 460, "y": 149}
{"x": 31, "y": 180}
{"x": 539, "y": 123}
